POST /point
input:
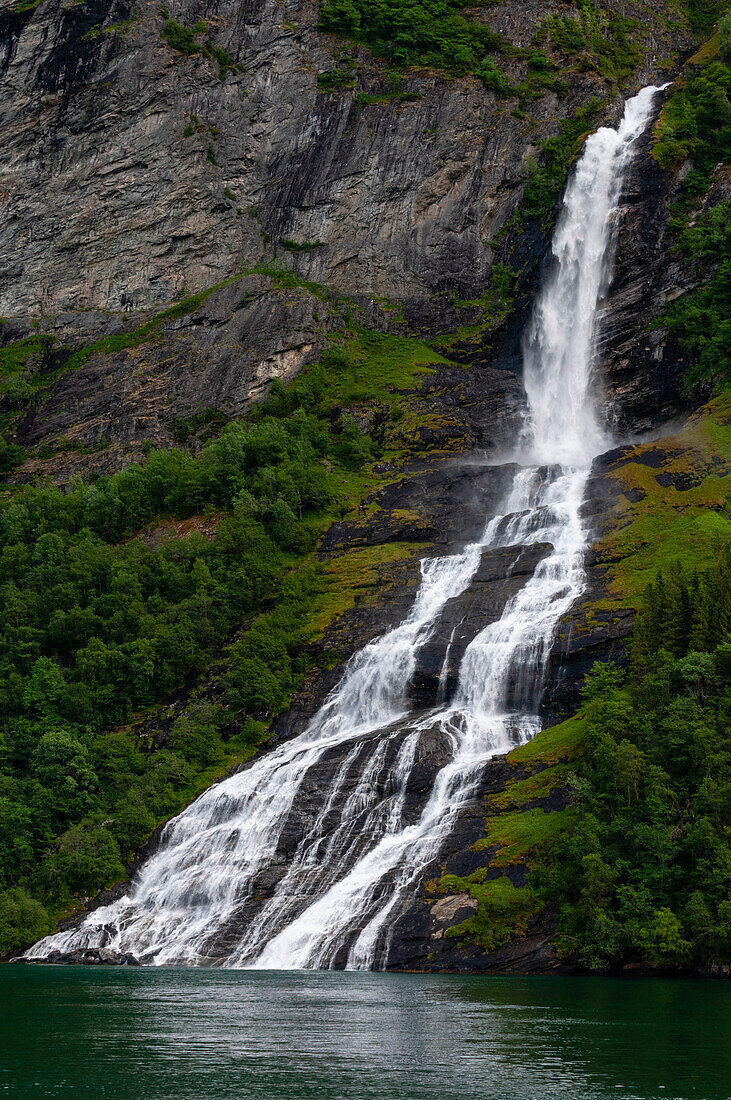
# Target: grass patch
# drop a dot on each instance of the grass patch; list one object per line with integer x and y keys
{"x": 380, "y": 367}
{"x": 668, "y": 524}
{"x": 353, "y": 577}
{"x": 523, "y": 836}
{"x": 502, "y": 914}
{"x": 518, "y": 793}
{"x": 553, "y": 745}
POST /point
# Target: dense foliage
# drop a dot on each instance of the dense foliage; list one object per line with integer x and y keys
{"x": 701, "y": 320}
{"x": 96, "y": 624}
{"x": 546, "y": 177}
{"x": 413, "y": 32}
{"x": 594, "y": 39}
{"x": 695, "y": 131}
{"x": 695, "y": 124}
{"x": 645, "y": 873}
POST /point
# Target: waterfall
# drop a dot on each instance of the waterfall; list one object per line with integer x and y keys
{"x": 337, "y": 895}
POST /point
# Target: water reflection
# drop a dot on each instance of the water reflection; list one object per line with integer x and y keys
{"x": 180, "y": 1034}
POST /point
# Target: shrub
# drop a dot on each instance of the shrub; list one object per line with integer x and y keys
{"x": 413, "y": 32}
{"x": 181, "y": 38}
{"x": 195, "y": 735}
{"x": 86, "y": 859}
{"x": 23, "y": 920}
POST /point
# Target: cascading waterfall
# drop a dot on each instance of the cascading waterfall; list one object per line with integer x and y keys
{"x": 359, "y": 858}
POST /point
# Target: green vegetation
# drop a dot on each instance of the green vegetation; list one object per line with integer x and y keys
{"x": 551, "y": 746}
{"x": 393, "y": 92}
{"x": 702, "y": 14}
{"x": 26, "y": 366}
{"x": 521, "y": 835}
{"x": 446, "y": 35}
{"x": 30, "y": 365}
{"x": 694, "y": 130}
{"x": 695, "y": 122}
{"x": 413, "y": 32}
{"x": 701, "y": 319}
{"x": 494, "y": 78}
{"x": 503, "y": 910}
{"x": 644, "y": 875}
{"x": 182, "y": 39}
{"x": 300, "y": 246}
{"x": 333, "y": 79}
{"x": 99, "y": 624}
{"x": 595, "y": 39}
{"x": 556, "y": 154}
{"x": 516, "y": 833}
{"x": 678, "y": 511}
{"x": 223, "y": 59}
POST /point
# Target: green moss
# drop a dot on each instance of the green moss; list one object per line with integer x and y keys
{"x": 518, "y": 793}
{"x": 520, "y": 837}
{"x": 421, "y": 432}
{"x": 14, "y": 357}
{"x": 355, "y": 576}
{"x": 523, "y": 835}
{"x": 380, "y": 367}
{"x": 109, "y": 345}
{"x": 553, "y": 745}
{"x": 503, "y": 911}
{"x": 668, "y": 524}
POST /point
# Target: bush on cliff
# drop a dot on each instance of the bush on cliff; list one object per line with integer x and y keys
{"x": 413, "y": 32}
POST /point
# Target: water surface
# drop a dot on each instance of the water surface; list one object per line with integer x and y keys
{"x": 177, "y": 1034}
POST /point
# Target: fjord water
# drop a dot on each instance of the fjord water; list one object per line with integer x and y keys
{"x": 201, "y": 1034}
{"x": 355, "y": 866}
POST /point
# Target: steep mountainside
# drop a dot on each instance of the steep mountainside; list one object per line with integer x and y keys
{"x": 141, "y": 168}
{"x": 200, "y": 200}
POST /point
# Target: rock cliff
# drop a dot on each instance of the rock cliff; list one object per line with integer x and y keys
{"x": 136, "y": 175}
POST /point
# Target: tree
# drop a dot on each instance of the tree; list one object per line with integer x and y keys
{"x": 23, "y": 920}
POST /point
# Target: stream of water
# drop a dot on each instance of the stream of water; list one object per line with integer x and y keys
{"x": 360, "y": 857}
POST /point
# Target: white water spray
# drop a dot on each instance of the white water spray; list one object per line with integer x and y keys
{"x": 335, "y": 904}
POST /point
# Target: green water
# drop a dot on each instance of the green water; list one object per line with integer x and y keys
{"x": 163, "y": 1034}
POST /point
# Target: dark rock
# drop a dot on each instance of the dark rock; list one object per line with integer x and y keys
{"x": 500, "y": 574}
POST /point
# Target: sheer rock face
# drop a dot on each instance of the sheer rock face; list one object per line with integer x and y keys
{"x": 133, "y": 174}
{"x": 132, "y": 171}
